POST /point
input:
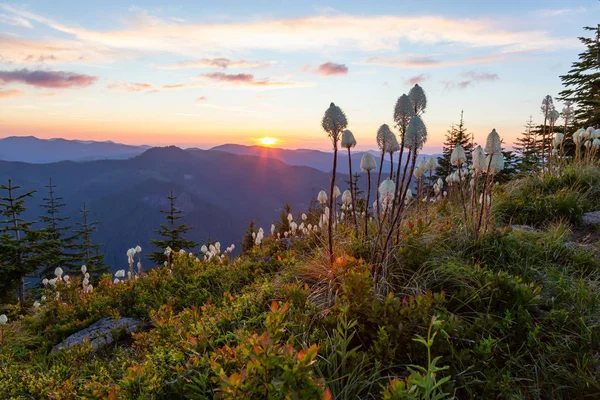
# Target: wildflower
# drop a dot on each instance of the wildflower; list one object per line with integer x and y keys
{"x": 367, "y": 162}
{"x": 386, "y": 191}
{"x": 348, "y": 140}
{"x": 479, "y": 159}
{"x": 418, "y": 98}
{"x": 290, "y": 217}
{"x": 89, "y": 289}
{"x": 3, "y": 319}
{"x": 347, "y": 197}
{"x": 43, "y": 298}
{"x": 596, "y": 143}
{"x": 130, "y": 254}
{"x": 493, "y": 144}
{"x": 203, "y": 249}
{"x": 52, "y": 282}
{"x": 322, "y": 197}
{"x": 36, "y": 304}
{"x": 304, "y": 217}
{"x": 496, "y": 162}
{"x": 83, "y": 270}
{"x": 182, "y": 251}
{"x": 138, "y": 249}
{"x": 403, "y": 112}
{"x": 431, "y": 164}
{"x": 458, "y": 156}
{"x": 66, "y": 278}
{"x": 87, "y": 275}
{"x": 85, "y": 281}
{"x": 58, "y": 272}
{"x": 168, "y": 251}
{"x": 116, "y": 281}
{"x": 336, "y": 192}
{"x": 45, "y": 282}
{"x": 416, "y": 134}
{"x": 272, "y": 229}
{"x": 120, "y": 273}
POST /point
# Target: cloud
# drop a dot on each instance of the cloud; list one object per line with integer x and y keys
{"x": 222, "y": 63}
{"x": 132, "y": 87}
{"x": 49, "y": 94}
{"x": 472, "y": 77}
{"x": 429, "y": 61}
{"x": 5, "y": 94}
{"x": 560, "y": 11}
{"x": 15, "y": 21}
{"x": 201, "y": 98}
{"x": 35, "y": 52}
{"x": 480, "y": 76}
{"x": 330, "y": 68}
{"x": 416, "y": 79}
{"x": 248, "y": 80}
{"x": 372, "y": 33}
{"x": 47, "y": 79}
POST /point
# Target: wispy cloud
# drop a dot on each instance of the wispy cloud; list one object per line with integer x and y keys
{"x": 375, "y": 33}
{"x": 331, "y": 68}
{"x": 222, "y": 63}
{"x": 416, "y": 79}
{"x": 47, "y": 79}
{"x": 48, "y": 94}
{"x": 15, "y": 21}
{"x": 560, "y": 11}
{"x": 470, "y": 78}
{"x": 132, "y": 87}
{"x": 5, "y": 94}
{"x": 249, "y": 80}
{"x": 201, "y": 98}
{"x": 430, "y": 61}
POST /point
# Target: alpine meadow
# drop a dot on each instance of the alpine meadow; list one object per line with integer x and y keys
{"x": 196, "y": 202}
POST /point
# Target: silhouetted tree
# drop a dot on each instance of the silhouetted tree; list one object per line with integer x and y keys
{"x": 582, "y": 82}
{"x": 457, "y": 134}
{"x": 172, "y": 233}
{"x": 526, "y": 148}
{"x": 19, "y": 243}
{"x": 85, "y": 251}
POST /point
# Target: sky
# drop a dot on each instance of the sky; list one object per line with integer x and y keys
{"x": 200, "y": 74}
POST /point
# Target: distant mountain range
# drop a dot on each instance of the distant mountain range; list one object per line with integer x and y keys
{"x": 219, "y": 190}
{"x": 33, "y": 150}
{"x": 39, "y": 151}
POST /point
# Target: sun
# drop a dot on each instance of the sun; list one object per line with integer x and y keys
{"x": 268, "y": 141}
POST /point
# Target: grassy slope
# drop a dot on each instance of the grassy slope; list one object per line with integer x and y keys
{"x": 520, "y": 312}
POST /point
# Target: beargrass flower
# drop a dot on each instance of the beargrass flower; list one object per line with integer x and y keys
{"x": 3, "y": 319}
{"x": 120, "y": 273}
{"x": 83, "y": 270}
{"x": 458, "y": 156}
{"x": 336, "y": 192}
{"x": 347, "y": 197}
{"x": 322, "y": 197}
{"x": 479, "y": 159}
{"x": 418, "y": 98}
{"x": 493, "y": 144}
{"x": 367, "y": 162}
{"x": 403, "y": 112}
{"x": 348, "y": 140}
{"x": 58, "y": 272}
{"x": 416, "y": 134}
{"x": 45, "y": 282}
{"x": 431, "y": 164}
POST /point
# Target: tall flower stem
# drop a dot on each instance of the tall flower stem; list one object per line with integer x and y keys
{"x": 485, "y": 183}
{"x": 378, "y": 183}
{"x": 367, "y": 205}
{"x": 462, "y": 194}
{"x": 331, "y": 205}
{"x": 352, "y": 192}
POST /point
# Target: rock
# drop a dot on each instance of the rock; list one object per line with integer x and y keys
{"x": 525, "y": 228}
{"x": 100, "y": 333}
{"x": 591, "y": 218}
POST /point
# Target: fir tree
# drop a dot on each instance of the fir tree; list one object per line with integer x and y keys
{"x": 455, "y": 135}
{"x": 20, "y": 245}
{"x": 582, "y": 82}
{"x": 85, "y": 251}
{"x": 526, "y": 148}
{"x": 248, "y": 241}
{"x": 172, "y": 233}
{"x": 57, "y": 244}
{"x": 283, "y": 225}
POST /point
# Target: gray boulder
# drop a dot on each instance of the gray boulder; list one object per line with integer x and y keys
{"x": 100, "y": 333}
{"x": 591, "y": 218}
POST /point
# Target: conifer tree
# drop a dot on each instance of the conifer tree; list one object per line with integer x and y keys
{"x": 85, "y": 251}
{"x": 455, "y": 135}
{"x": 57, "y": 243}
{"x": 20, "y": 245}
{"x": 283, "y": 225}
{"x": 248, "y": 241}
{"x": 582, "y": 82}
{"x": 172, "y": 233}
{"x": 526, "y": 148}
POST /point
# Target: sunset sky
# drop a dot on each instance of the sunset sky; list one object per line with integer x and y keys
{"x": 200, "y": 73}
